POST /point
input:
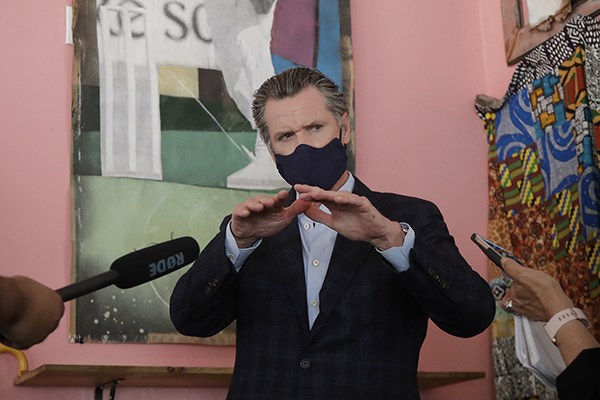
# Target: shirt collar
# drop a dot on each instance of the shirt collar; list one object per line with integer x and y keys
{"x": 347, "y": 186}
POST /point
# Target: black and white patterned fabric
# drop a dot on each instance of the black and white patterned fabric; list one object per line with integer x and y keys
{"x": 578, "y": 31}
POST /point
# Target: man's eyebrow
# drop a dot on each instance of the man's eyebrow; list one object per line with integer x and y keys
{"x": 282, "y": 133}
{"x": 314, "y": 123}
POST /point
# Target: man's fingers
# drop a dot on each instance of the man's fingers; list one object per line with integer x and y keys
{"x": 259, "y": 204}
{"x": 313, "y": 193}
{"x": 332, "y": 199}
{"x": 302, "y": 188}
{"x": 316, "y": 214}
{"x": 298, "y": 207}
{"x": 282, "y": 195}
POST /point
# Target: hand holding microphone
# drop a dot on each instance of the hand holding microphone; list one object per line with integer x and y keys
{"x": 30, "y": 311}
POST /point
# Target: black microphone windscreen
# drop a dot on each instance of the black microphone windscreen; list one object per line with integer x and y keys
{"x": 155, "y": 261}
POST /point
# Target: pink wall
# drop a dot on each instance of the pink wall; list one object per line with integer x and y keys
{"x": 418, "y": 67}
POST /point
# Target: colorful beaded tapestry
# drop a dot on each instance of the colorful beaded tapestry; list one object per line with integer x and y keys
{"x": 544, "y": 182}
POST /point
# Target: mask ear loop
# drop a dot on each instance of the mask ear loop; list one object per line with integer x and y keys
{"x": 343, "y": 144}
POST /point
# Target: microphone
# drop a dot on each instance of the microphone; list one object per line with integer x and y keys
{"x": 138, "y": 267}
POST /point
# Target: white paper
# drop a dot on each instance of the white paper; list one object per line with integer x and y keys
{"x": 536, "y": 351}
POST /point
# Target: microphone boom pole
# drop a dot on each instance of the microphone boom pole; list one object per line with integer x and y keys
{"x": 89, "y": 285}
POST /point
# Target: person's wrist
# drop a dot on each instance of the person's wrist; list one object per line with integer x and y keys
{"x": 563, "y": 317}
{"x": 394, "y": 236}
{"x": 241, "y": 242}
{"x": 556, "y": 301}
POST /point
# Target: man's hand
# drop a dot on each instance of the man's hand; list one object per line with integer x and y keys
{"x": 263, "y": 216}
{"x": 352, "y": 216}
{"x": 34, "y": 311}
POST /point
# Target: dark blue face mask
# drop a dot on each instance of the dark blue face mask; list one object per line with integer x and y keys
{"x": 313, "y": 166}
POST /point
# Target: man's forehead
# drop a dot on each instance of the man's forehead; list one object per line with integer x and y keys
{"x": 309, "y": 94}
{"x": 306, "y": 107}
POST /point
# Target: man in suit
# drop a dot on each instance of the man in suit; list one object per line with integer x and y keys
{"x": 331, "y": 284}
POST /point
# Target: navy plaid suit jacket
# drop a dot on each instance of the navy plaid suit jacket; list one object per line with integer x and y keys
{"x": 366, "y": 340}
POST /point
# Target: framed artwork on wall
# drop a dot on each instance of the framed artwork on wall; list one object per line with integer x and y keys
{"x": 164, "y": 144}
{"x": 520, "y": 37}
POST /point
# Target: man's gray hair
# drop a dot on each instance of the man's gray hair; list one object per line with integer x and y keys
{"x": 288, "y": 84}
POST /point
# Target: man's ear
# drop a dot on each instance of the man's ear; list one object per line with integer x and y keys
{"x": 345, "y": 129}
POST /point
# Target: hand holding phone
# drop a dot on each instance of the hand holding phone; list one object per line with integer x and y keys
{"x": 493, "y": 251}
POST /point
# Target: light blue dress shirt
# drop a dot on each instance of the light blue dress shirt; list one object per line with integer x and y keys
{"x": 318, "y": 241}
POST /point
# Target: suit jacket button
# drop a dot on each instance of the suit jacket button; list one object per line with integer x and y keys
{"x": 305, "y": 363}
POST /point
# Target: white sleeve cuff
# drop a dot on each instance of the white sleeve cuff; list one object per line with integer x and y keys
{"x": 398, "y": 256}
{"x": 236, "y": 255}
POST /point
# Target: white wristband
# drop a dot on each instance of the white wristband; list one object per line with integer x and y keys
{"x": 561, "y": 318}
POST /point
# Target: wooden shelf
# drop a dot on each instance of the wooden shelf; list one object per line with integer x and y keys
{"x": 430, "y": 380}
{"x": 98, "y": 375}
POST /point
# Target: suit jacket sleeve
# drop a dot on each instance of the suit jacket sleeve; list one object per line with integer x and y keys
{"x": 456, "y": 298}
{"x": 579, "y": 381}
{"x": 204, "y": 299}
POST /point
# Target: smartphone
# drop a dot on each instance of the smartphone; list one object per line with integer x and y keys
{"x": 492, "y": 250}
